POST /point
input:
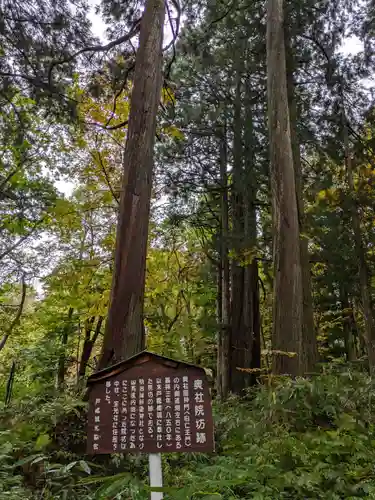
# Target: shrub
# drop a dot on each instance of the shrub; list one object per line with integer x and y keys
{"x": 302, "y": 439}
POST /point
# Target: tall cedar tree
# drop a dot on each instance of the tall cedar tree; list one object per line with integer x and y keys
{"x": 124, "y": 333}
{"x": 288, "y": 306}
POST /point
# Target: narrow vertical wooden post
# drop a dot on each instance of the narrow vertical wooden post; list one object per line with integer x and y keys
{"x": 156, "y": 475}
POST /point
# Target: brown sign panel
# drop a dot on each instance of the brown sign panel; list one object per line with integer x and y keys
{"x": 152, "y": 405}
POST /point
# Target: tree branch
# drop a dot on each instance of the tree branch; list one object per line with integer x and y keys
{"x": 106, "y": 177}
{"x": 113, "y": 127}
{"x": 97, "y": 48}
{"x": 20, "y": 241}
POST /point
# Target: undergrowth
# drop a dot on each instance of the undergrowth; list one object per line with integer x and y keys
{"x": 304, "y": 439}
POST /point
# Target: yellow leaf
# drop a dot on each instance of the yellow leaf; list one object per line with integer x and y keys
{"x": 174, "y": 132}
{"x": 321, "y": 195}
{"x": 168, "y": 96}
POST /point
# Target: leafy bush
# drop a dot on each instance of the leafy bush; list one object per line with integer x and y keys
{"x": 309, "y": 439}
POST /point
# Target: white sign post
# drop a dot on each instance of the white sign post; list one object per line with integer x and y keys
{"x": 156, "y": 475}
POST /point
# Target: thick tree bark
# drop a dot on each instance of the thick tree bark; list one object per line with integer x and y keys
{"x": 124, "y": 333}
{"x": 239, "y": 346}
{"x": 288, "y": 306}
{"x": 310, "y": 349}
{"x": 245, "y": 324}
{"x": 363, "y": 271}
{"x": 223, "y": 358}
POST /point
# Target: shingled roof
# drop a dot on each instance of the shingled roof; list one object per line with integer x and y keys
{"x": 137, "y": 359}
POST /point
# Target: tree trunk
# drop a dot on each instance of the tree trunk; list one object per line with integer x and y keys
{"x": 347, "y": 324}
{"x": 67, "y": 328}
{"x": 223, "y": 358}
{"x": 88, "y": 344}
{"x": 239, "y": 342}
{"x": 251, "y": 276}
{"x": 310, "y": 349}
{"x": 219, "y": 315}
{"x": 363, "y": 271}
{"x": 9, "y": 386}
{"x": 124, "y": 333}
{"x": 219, "y": 305}
{"x": 245, "y": 324}
{"x": 288, "y": 306}
{"x": 257, "y": 326}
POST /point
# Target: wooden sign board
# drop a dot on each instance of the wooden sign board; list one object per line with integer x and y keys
{"x": 150, "y": 404}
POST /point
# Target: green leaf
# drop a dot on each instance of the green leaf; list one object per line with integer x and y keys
{"x": 84, "y": 466}
{"x": 32, "y": 458}
{"x": 103, "y": 479}
{"x": 42, "y": 441}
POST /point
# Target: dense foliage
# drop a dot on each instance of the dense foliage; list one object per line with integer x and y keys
{"x": 252, "y": 181}
{"x": 300, "y": 439}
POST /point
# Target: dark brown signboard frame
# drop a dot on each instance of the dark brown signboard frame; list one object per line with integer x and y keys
{"x": 150, "y": 404}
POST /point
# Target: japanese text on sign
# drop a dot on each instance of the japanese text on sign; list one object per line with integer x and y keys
{"x": 151, "y": 414}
